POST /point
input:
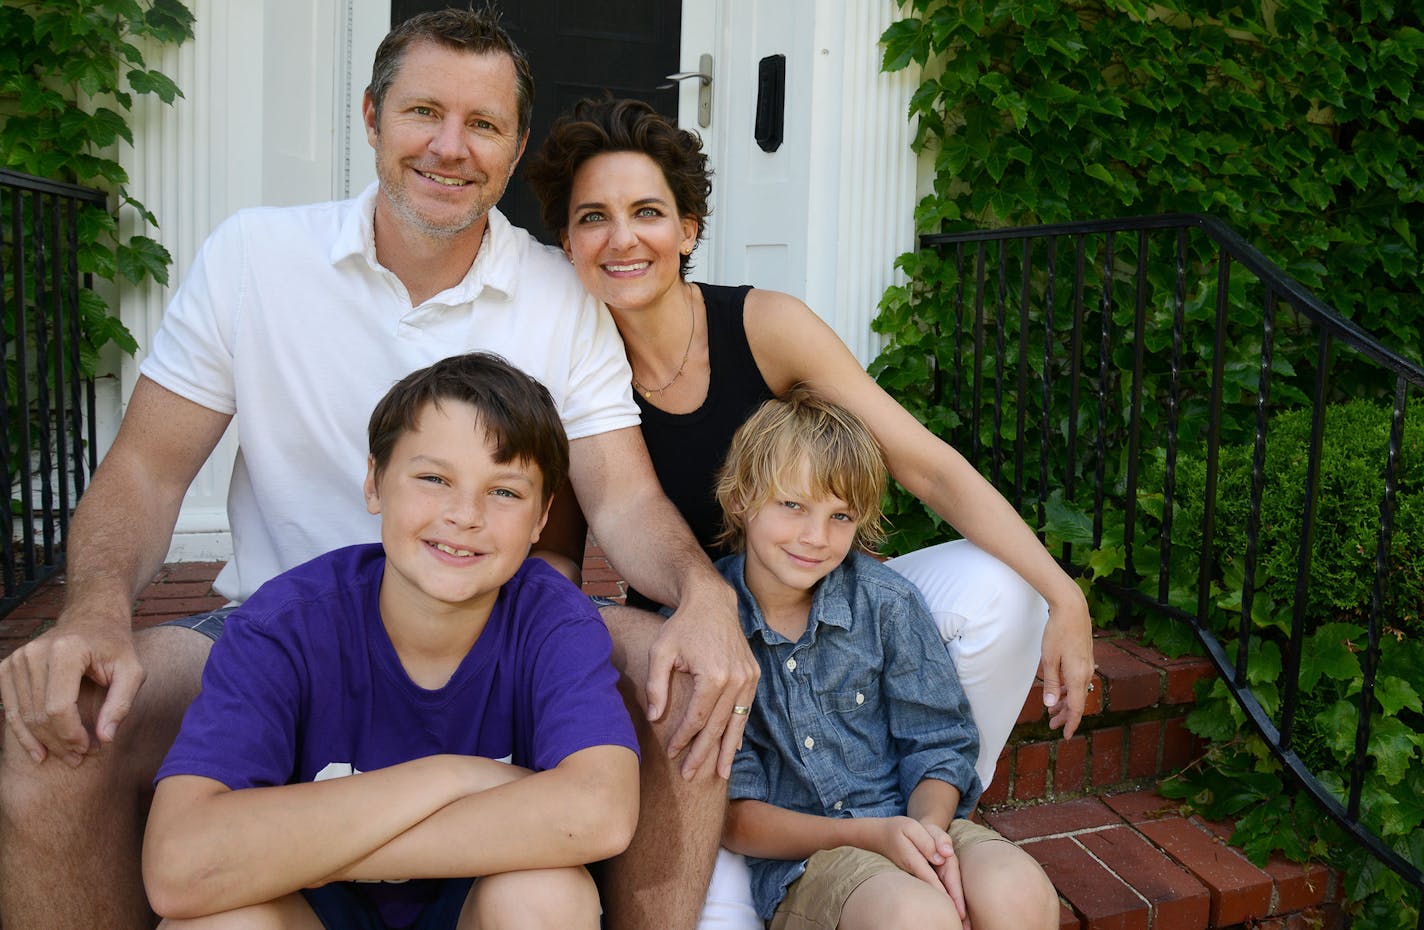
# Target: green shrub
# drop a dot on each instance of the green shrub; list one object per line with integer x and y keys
{"x": 1353, "y": 449}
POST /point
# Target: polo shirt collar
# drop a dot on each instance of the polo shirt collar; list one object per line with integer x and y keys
{"x": 496, "y": 266}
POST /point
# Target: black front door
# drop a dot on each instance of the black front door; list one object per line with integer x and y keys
{"x": 579, "y": 48}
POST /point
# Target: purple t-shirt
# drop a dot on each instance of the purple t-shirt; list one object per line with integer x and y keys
{"x": 305, "y": 685}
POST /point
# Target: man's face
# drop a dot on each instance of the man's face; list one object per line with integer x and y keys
{"x": 446, "y": 140}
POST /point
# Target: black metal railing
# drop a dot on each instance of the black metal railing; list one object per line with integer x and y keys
{"x": 1102, "y": 374}
{"x": 47, "y": 441}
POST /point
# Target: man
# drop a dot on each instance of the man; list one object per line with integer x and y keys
{"x": 292, "y": 322}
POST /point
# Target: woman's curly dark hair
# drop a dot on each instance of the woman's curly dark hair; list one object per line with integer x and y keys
{"x": 596, "y": 126}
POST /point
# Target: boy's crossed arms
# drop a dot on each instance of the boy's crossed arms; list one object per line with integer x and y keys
{"x": 210, "y": 848}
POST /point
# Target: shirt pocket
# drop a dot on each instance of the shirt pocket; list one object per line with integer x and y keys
{"x": 854, "y": 711}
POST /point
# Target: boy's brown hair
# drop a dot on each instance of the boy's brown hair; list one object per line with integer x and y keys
{"x": 517, "y": 412}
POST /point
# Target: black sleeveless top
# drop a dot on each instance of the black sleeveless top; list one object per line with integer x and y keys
{"x": 687, "y": 449}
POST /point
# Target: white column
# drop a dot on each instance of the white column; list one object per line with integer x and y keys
{"x": 863, "y": 173}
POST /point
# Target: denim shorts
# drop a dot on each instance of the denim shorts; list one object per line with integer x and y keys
{"x": 340, "y": 908}
{"x": 210, "y": 624}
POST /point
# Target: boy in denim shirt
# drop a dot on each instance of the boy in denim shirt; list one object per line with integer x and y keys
{"x": 850, "y": 789}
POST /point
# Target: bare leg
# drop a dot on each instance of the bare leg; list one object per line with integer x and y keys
{"x": 1006, "y": 889}
{"x": 70, "y": 837}
{"x": 547, "y": 899}
{"x": 660, "y": 882}
{"x": 894, "y": 899}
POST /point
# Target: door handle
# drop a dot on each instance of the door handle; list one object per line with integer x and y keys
{"x": 703, "y": 74}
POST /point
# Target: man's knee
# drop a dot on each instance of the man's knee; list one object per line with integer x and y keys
{"x": 173, "y": 660}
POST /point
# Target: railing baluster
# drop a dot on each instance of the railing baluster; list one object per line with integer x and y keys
{"x": 1046, "y": 421}
{"x": 1291, "y": 696}
{"x": 976, "y": 394}
{"x": 1258, "y": 482}
{"x": 10, "y": 283}
{"x": 957, "y": 362}
{"x": 1213, "y": 442}
{"x": 1021, "y": 398}
{"x": 1100, "y": 436}
{"x": 1205, "y": 410}
{"x": 1377, "y": 596}
{"x": 1075, "y": 373}
{"x": 1169, "y": 477}
{"x": 48, "y": 415}
{"x": 46, "y": 226}
{"x": 1134, "y": 414}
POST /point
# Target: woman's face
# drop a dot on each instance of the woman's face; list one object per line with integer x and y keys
{"x": 625, "y": 236}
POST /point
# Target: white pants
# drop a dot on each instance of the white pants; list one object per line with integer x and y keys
{"x": 992, "y": 623}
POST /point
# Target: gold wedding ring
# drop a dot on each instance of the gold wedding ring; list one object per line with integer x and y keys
{"x": 741, "y": 709}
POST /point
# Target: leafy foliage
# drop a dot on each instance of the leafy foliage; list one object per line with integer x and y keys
{"x": 1299, "y": 125}
{"x": 69, "y": 72}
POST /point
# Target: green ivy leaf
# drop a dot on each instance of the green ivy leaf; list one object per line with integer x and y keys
{"x": 105, "y": 126}
{"x": 1395, "y": 694}
{"x": 1329, "y": 652}
{"x": 141, "y": 258}
{"x": 1394, "y": 747}
{"x": 154, "y": 82}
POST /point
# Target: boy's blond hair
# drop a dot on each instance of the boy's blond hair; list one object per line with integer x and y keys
{"x": 844, "y": 461}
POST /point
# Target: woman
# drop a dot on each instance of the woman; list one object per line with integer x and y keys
{"x": 626, "y": 192}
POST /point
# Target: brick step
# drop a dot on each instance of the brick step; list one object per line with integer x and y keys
{"x": 1121, "y": 856}
{"x": 1132, "y": 735}
{"x": 1131, "y": 862}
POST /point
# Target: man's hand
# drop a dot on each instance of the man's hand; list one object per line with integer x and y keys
{"x": 40, "y": 682}
{"x": 1067, "y": 667}
{"x": 704, "y": 639}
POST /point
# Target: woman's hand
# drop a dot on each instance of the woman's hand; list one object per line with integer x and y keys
{"x": 1067, "y": 668}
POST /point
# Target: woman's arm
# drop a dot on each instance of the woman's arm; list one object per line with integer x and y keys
{"x": 792, "y": 345}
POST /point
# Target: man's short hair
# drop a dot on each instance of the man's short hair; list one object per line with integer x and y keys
{"x": 476, "y": 31}
{"x": 517, "y": 412}
{"x": 768, "y": 449}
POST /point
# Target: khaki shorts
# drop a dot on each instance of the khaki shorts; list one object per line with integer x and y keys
{"x": 815, "y": 900}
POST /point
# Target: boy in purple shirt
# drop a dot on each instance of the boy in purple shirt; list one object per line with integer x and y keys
{"x": 380, "y": 724}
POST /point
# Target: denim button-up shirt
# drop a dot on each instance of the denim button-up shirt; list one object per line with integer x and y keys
{"x": 853, "y": 715}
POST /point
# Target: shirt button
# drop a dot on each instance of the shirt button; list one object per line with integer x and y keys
{"x": 791, "y": 664}
{"x": 836, "y": 805}
{"x": 859, "y": 698}
{"x": 808, "y": 743}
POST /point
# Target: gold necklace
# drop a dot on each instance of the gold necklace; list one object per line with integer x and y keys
{"x": 648, "y": 392}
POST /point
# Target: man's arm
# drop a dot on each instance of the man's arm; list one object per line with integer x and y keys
{"x": 118, "y": 539}
{"x": 561, "y": 542}
{"x": 209, "y": 849}
{"x": 649, "y": 543}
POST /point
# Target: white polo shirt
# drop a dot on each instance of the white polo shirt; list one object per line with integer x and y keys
{"x": 287, "y": 321}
